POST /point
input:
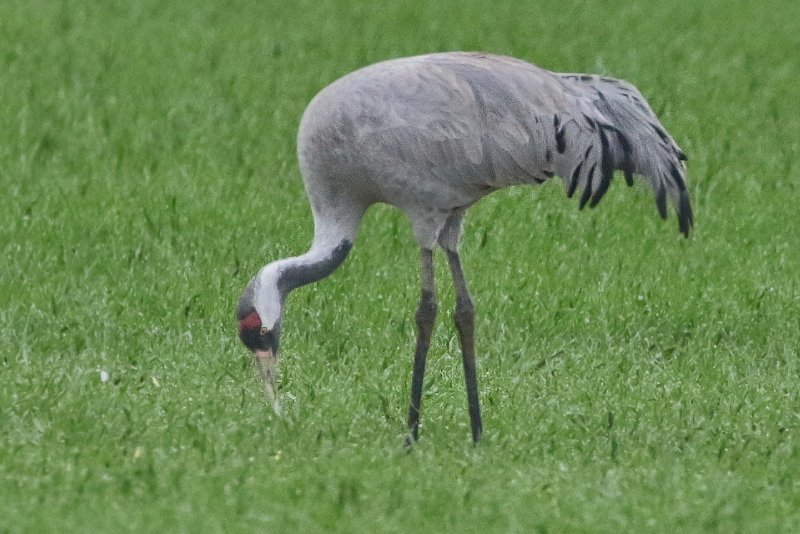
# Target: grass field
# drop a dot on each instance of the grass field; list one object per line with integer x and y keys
{"x": 631, "y": 380}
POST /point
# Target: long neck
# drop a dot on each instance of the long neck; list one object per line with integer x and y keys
{"x": 334, "y": 234}
{"x": 320, "y": 261}
{"x": 333, "y": 239}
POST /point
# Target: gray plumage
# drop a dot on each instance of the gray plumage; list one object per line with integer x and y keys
{"x": 432, "y": 135}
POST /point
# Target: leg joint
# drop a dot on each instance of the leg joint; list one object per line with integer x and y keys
{"x": 426, "y": 311}
{"x": 465, "y": 310}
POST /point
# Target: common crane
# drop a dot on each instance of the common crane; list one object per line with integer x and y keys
{"x": 433, "y": 134}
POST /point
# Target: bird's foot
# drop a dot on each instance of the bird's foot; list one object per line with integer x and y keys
{"x": 411, "y": 439}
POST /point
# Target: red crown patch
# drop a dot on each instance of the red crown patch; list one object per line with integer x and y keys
{"x": 251, "y": 322}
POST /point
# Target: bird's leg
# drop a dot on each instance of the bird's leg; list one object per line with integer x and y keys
{"x": 465, "y": 322}
{"x": 426, "y": 315}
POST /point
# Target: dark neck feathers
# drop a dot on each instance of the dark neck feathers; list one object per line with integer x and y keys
{"x": 294, "y": 275}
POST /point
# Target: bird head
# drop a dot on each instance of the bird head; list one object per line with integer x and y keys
{"x": 259, "y": 316}
{"x": 261, "y": 305}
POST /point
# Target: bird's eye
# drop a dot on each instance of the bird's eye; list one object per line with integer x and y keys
{"x": 264, "y": 331}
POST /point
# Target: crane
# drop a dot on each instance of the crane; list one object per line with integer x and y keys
{"x": 433, "y": 134}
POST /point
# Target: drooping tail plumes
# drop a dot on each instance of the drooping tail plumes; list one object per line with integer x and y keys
{"x": 617, "y": 130}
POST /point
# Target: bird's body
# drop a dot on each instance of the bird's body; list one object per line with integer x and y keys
{"x": 432, "y": 135}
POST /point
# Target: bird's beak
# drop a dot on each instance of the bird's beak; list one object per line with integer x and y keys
{"x": 268, "y": 365}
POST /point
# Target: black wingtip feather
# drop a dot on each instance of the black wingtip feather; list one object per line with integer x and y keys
{"x": 598, "y": 195}
{"x": 573, "y": 179}
{"x": 627, "y": 157}
{"x": 661, "y": 201}
{"x": 607, "y": 170}
{"x": 561, "y": 142}
{"x": 685, "y": 216}
{"x": 676, "y": 175}
{"x": 628, "y": 177}
{"x": 587, "y": 194}
{"x": 587, "y": 191}
{"x": 660, "y": 131}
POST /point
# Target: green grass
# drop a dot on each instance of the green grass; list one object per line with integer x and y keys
{"x": 631, "y": 380}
